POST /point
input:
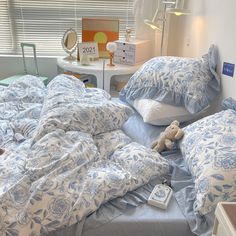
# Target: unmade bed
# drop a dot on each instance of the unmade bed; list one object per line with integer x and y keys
{"x": 131, "y": 215}
{"x": 38, "y": 132}
{"x": 74, "y": 162}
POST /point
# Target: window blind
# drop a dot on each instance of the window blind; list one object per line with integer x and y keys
{"x": 6, "y": 40}
{"x": 44, "y": 22}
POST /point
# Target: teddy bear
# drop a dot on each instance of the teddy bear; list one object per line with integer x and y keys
{"x": 1, "y": 151}
{"x": 167, "y": 138}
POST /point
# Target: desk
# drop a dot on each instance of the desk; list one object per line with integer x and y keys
{"x": 99, "y": 69}
{"x": 225, "y": 219}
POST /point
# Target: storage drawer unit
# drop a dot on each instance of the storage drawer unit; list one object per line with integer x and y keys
{"x": 225, "y": 219}
{"x": 131, "y": 53}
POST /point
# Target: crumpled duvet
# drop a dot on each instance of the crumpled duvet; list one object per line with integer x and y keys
{"x": 65, "y": 155}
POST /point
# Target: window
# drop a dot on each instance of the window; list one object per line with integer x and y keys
{"x": 6, "y": 38}
{"x": 44, "y": 22}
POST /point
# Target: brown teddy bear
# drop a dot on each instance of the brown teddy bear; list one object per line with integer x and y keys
{"x": 1, "y": 151}
{"x": 167, "y": 138}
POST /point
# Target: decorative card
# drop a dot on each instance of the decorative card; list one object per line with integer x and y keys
{"x": 89, "y": 49}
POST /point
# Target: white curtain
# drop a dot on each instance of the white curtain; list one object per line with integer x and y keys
{"x": 145, "y": 9}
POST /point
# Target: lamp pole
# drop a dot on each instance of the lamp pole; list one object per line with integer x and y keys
{"x": 177, "y": 10}
{"x": 164, "y": 22}
{"x": 163, "y": 28}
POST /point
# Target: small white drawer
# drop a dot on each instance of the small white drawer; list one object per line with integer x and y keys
{"x": 123, "y": 53}
{"x": 131, "y": 53}
{"x": 125, "y": 46}
{"x": 124, "y": 60}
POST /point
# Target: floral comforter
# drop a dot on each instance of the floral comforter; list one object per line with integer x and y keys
{"x": 64, "y": 155}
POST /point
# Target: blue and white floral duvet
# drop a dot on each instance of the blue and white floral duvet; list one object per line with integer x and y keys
{"x": 65, "y": 155}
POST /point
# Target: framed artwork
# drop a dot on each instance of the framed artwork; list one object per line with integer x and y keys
{"x": 89, "y": 49}
{"x": 101, "y": 31}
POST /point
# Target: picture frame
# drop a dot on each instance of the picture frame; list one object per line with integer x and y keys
{"x": 88, "y": 49}
{"x": 101, "y": 31}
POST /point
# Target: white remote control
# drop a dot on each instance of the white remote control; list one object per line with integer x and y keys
{"x": 160, "y": 196}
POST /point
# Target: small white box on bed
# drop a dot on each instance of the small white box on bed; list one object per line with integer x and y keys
{"x": 131, "y": 53}
{"x": 160, "y": 196}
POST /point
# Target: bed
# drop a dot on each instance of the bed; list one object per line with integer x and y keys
{"x": 80, "y": 164}
{"x": 136, "y": 218}
{"x": 26, "y": 133}
{"x": 188, "y": 83}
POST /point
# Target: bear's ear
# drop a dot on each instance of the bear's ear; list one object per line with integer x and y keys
{"x": 175, "y": 123}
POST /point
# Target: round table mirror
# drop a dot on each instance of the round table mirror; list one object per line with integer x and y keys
{"x": 69, "y": 43}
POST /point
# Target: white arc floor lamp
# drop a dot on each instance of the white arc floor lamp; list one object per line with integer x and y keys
{"x": 173, "y": 7}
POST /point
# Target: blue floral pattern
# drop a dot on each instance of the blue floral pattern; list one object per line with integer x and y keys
{"x": 229, "y": 103}
{"x": 109, "y": 142}
{"x": 187, "y": 82}
{"x": 64, "y": 168}
{"x": 209, "y": 150}
{"x": 69, "y": 108}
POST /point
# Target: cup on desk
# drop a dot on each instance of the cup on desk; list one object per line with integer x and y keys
{"x": 85, "y": 60}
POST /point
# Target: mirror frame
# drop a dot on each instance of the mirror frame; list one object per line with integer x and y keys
{"x": 69, "y": 51}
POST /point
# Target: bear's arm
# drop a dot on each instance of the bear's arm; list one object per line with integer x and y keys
{"x": 179, "y": 134}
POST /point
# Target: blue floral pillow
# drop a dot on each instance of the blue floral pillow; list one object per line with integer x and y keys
{"x": 209, "y": 150}
{"x": 187, "y": 82}
{"x": 229, "y": 103}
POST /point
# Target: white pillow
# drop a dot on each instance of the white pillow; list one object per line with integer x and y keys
{"x": 157, "y": 113}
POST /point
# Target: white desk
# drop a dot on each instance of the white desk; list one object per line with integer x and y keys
{"x": 99, "y": 69}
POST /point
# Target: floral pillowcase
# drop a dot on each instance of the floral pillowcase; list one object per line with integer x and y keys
{"x": 188, "y": 82}
{"x": 209, "y": 150}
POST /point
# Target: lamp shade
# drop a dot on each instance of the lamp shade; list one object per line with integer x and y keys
{"x": 179, "y": 8}
{"x": 154, "y": 22}
{"x": 153, "y": 25}
{"x": 178, "y": 11}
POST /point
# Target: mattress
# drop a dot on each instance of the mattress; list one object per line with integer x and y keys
{"x": 139, "y": 219}
{"x": 131, "y": 215}
{"x": 141, "y": 132}
{"x": 142, "y": 220}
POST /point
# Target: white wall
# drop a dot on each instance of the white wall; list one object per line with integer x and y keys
{"x": 210, "y": 22}
{"x": 13, "y": 65}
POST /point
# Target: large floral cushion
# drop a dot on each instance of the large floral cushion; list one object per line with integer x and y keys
{"x": 187, "y": 82}
{"x": 209, "y": 150}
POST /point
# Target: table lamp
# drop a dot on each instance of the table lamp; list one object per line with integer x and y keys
{"x": 111, "y": 48}
{"x": 173, "y": 7}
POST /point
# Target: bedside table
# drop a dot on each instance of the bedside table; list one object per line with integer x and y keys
{"x": 99, "y": 69}
{"x": 225, "y": 221}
